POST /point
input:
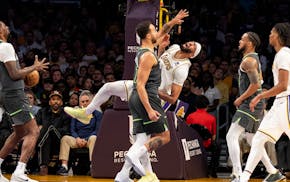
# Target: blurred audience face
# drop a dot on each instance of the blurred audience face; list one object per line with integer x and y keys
{"x": 73, "y": 100}
{"x": 218, "y": 74}
{"x": 84, "y": 101}
{"x": 31, "y": 98}
{"x": 110, "y": 78}
{"x": 55, "y": 103}
{"x": 87, "y": 84}
{"x": 56, "y": 76}
{"x": 97, "y": 76}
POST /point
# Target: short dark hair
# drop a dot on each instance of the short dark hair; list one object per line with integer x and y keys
{"x": 283, "y": 30}
{"x": 201, "y": 102}
{"x": 254, "y": 38}
{"x": 142, "y": 29}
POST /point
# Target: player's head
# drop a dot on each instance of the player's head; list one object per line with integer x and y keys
{"x": 254, "y": 38}
{"x": 192, "y": 48}
{"x": 146, "y": 30}
{"x": 249, "y": 40}
{"x": 201, "y": 102}
{"x": 280, "y": 34}
{"x": 4, "y": 31}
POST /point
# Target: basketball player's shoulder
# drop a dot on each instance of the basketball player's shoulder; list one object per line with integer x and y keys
{"x": 5, "y": 45}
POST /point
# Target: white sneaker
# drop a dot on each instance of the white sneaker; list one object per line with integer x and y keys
{"x": 2, "y": 178}
{"x": 149, "y": 177}
{"x": 21, "y": 178}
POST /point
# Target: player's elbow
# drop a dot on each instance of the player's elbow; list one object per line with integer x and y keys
{"x": 172, "y": 100}
{"x": 283, "y": 87}
{"x": 14, "y": 76}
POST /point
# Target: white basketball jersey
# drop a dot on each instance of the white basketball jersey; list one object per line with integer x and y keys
{"x": 173, "y": 70}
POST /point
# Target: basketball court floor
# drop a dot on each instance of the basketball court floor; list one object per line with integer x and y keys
{"x": 56, "y": 178}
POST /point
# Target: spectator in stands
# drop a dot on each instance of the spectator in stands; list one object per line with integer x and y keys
{"x": 71, "y": 82}
{"x": 82, "y": 134}
{"x": 56, "y": 76}
{"x": 211, "y": 92}
{"x": 203, "y": 118}
{"x": 90, "y": 54}
{"x": 32, "y": 101}
{"x": 47, "y": 88}
{"x": 73, "y": 99}
{"x": 87, "y": 84}
{"x": 188, "y": 96}
{"x": 53, "y": 123}
{"x": 221, "y": 86}
{"x": 110, "y": 77}
{"x": 83, "y": 71}
{"x": 98, "y": 78}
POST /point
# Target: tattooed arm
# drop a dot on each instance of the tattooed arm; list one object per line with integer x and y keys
{"x": 249, "y": 65}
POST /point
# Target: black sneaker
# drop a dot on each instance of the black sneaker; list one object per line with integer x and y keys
{"x": 234, "y": 178}
{"x": 133, "y": 174}
{"x": 62, "y": 171}
{"x": 278, "y": 176}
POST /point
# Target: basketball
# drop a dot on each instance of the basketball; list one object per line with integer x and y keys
{"x": 31, "y": 79}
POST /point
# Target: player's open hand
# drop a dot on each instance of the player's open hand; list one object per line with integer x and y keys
{"x": 40, "y": 65}
{"x": 178, "y": 19}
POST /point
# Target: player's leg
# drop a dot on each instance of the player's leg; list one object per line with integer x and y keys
{"x": 120, "y": 88}
{"x": 232, "y": 138}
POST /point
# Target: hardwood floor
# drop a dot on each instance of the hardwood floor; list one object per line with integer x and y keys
{"x": 56, "y": 178}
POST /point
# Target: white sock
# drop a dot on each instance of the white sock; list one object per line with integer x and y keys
{"x": 1, "y": 161}
{"x": 146, "y": 163}
{"x": 265, "y": 158}
{"x": 65, "y": 166}
{"x": 138, "y": 148}
{"x": 245, "y": 176}
{"x": 124, "y": 173}
{"x": 256, "y": 152}
{"x": 143, "y": 150}
{"x": 20, "y": 168}
{"x": 234, "y": 147}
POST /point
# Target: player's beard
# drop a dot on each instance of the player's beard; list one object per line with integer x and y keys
{"x": 242, "y": 49}
{"x": 153, "y": 40}
{"x": 184, "y": 49}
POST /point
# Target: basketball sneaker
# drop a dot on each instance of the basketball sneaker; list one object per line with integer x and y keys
{"x": 149, "y": 177}
{"x": 2, "y": 178}
{"x": 122, "y": 178}
{"x": 79, "y": 114}
{"x": 133, "y": 174}
{"x": 278, "y": 176}
{"x": 21, "y": 178}
{"x": 234, "y": 178}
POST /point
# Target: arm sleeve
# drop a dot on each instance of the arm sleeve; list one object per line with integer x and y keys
{"x": 7, "y": 53}
{"x": 283, "y": 61}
